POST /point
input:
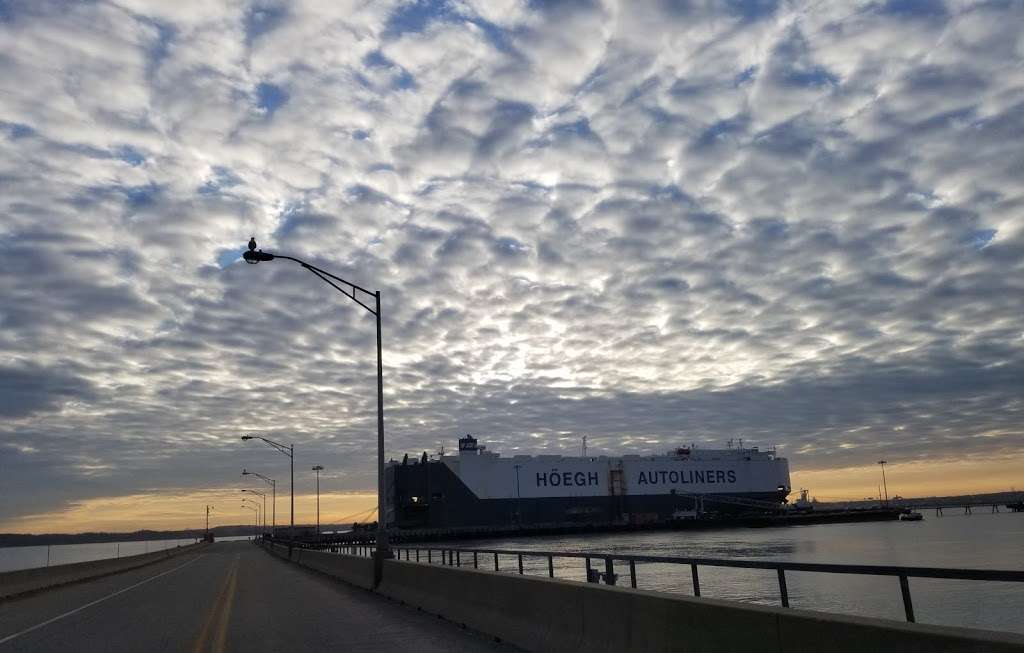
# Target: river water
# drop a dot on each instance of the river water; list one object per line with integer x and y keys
{"x": 978, "y": 541}
{"x": 28, "y": 557}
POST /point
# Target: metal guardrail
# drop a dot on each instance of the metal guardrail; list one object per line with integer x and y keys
{"x": 453, "y": 557}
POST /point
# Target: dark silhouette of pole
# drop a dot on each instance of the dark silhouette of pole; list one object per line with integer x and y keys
{"x": 318, "y": 469}
{"x": 349, "y": 289}
{"x": 288, "y": 450}
{"x": 257, "y": 517}
{"x": 254, "y": 503}
{"x": 884, "y": 486}
{"x": 264, "y": 495}
{"x": 519, "y": 499}
{"x": 273, "y": 493}
{"x": 383, "y": 550}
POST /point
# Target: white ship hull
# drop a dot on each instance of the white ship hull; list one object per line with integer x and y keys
{"x": 478, "y": 487}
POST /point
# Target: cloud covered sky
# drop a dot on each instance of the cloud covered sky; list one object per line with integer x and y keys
{"x": 800, "y": 223}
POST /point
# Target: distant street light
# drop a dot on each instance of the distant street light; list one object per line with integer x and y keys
{"x": 288, "y": 450}
{"x": 255, "y": 503}
{"x": 350, "y": 289}
{"x": 255, "y": 527}
{"x": 264, "y": 495}
{"x": 273, "y": 500}
{"x": 318, "y": 469}
{"x": 884, "y": 487}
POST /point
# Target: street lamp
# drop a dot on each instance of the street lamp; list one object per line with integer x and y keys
{"x": 884, "y": 487}
{"x": 288, "y": 450}
{"x": 318, "y": 469}
{"x": 350, "y": 289}
{"x": 273, "y": 500}
{"x": 245, "y": 505}
{"x": 264, "y": 495}
{"x": 255, "y": 503}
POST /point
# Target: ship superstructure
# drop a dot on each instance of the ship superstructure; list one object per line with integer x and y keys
{"x": 478, "y": 487}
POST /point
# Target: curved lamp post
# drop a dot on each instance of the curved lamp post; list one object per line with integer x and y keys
{"x": 318, "y": 469}
{"x": 273, "y": 500}
{"x": 350, "y": 290}
{"x": 884, "y": 486}
{"x": 246, "y": 505}
{"x": 264, "y": 495}
{"x": 255, "y": 503}
{"x": 288, "y": 450}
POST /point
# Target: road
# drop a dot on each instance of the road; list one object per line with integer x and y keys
{"x": 233, "y": 596}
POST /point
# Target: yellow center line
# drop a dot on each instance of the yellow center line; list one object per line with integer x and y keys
{"x": 225, "y": 617}
{"x": 216, "y": 609}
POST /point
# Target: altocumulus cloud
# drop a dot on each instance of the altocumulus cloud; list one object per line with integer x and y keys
{"x": 648, "y": 222}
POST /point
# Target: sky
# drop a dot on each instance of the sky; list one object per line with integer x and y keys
{"x": 646, "y": 222}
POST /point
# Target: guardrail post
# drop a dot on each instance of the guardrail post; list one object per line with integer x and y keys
{"x": 495, "y": 562}
{"x": 783, "y": 590}
{"x": 696, "y": 579}
{"x": 908, "y": 606}
{"x": 551, "y": 567}
{"x": 475, "y": 565}
{"x": 458, "y": 558}
{"x": 429, "y": 554}
{"x": 609, "y": 571}
{"x": 520, "y": 564}
{"x": 632, "y": 574}
{"x": 417, "y": 555}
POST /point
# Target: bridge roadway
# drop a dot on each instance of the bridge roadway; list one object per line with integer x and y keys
{"x": 232, "y": 596}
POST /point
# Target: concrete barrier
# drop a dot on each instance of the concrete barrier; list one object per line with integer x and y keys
{"x": 542, "y": 614}
{"x": 24, "y": 581}
{"x": 354, "y": 570}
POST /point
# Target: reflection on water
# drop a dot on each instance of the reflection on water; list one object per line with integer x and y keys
{"x": 28, "y": 557}
{"x": 979, "y": 541}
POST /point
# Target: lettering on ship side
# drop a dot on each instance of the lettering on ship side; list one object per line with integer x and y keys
{"x": 554, "y": 478}
{"x": 707, "y": 476}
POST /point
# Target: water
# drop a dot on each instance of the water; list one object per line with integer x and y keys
{"x": 978, "y": 541}
{"x": 28, "y": 557}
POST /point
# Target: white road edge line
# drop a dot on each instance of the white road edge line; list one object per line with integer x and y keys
{"x": 92, "y": 603}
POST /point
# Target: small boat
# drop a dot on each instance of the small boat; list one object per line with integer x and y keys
{"x": 911, "y": 516}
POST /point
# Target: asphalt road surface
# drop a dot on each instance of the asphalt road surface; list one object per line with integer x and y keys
{"x": 233, "y": 596}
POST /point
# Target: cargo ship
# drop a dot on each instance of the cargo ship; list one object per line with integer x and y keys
{"x": 476, "y": 487}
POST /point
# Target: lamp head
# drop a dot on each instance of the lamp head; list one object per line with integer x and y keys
{"x": 318, "y": 468}
{"x": 254, "y": 255}
{"x": 247, "y": 437}
{"x": 245, "y": 473}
